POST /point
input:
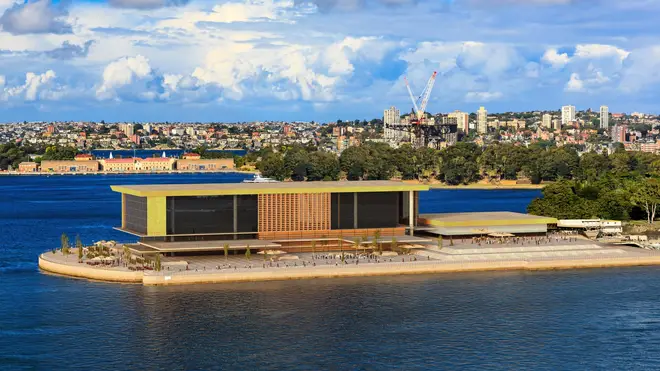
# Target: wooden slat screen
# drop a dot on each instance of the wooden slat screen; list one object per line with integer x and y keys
{"x": 294, "y": 212}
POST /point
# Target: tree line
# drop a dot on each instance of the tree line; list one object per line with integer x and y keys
{"x": 463, "y": 163}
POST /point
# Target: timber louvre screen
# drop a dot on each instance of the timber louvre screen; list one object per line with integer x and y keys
{"x": 294, "y": 212}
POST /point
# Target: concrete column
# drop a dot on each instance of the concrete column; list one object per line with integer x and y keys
{"x": 355, "y": 210}
{"x": 411, "y": 211}
{"x": 235, "y": 216}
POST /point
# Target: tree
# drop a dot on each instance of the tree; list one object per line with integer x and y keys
{"x": 64, "y": 243}
{"x": 79, "y": 248}
{"x": 646, "y": 194}
{"x": 127, "y": 254}
{"x": 314, "y": 249}
{"x": 248, "y": 254}
{"x": 157, "y": 263}
{"x": 377, "y": 244}
{"x": 225, "y": 247}
{"x": 439, "y": 241}
{"x": 394, "y": 244}
{"x": 272, "y": 166}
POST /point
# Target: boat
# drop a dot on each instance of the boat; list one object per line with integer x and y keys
{"x": 259, "y": 179}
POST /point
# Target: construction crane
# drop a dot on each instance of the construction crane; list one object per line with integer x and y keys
{"x": 420, "y": 103}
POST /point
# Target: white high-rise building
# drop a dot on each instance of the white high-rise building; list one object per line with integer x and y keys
{"x": 604, "y": 117}
{"x": 391, "y": 116}
{"x": 547, "y": 121}
{"x": 462, "y": 120}
{"x": 146, "y": 128}
{"x": 567, "y": 114}
{"x": 482, "y": 120}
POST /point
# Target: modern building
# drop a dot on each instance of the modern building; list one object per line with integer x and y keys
{"x": 285, "y": 215}
{"x": 205, "y": 164}
{"x": 604, "y": 117}
{"x": 462, "y": 120}
{"x": 482, "y": 120}
{"x": 547, "y": 121}
{"x": 567, "y": 115}
{"x": 484, "y": 224}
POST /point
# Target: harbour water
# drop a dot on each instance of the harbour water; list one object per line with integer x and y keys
{"x": 567, "y": 320}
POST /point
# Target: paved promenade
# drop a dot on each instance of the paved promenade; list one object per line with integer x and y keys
{"x": 461, "y": 257}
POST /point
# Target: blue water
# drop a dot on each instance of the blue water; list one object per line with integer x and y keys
{"x": 570, "y": 320}
{"x": 145, "y": 153}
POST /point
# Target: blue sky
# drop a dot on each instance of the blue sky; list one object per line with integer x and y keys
{"x": 245, "y": 60}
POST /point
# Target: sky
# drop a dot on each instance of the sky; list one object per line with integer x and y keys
{"x": 322, "y": 60}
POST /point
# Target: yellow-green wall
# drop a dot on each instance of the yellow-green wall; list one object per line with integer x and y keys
{"x": 156, "y": 216}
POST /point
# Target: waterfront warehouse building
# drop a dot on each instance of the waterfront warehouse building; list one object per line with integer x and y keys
{"x": 281, "y": 213}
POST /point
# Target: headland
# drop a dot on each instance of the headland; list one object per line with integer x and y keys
{"x": 210, "y": 233}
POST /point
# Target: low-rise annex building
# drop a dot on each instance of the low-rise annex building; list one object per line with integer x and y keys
{"x": 28, "y": 167}
{"x": 205, "y": 164}
{"x": 72, "y": 166}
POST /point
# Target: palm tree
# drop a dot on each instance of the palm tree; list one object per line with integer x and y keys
{"x": 440, "y": 242}
{"x": 226, "y": 248}
{"x": 157, "y": 264}
{"x": 248, "y": 254}
{"x": 394, "y": 244}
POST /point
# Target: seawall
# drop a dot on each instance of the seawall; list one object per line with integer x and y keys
{"x": 83, "y": 271}
{"x": 386, "y": 269}
{"x": 73, "y": 269}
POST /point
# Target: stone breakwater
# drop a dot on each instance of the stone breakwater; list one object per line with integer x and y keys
{"x": 73, "y": 269}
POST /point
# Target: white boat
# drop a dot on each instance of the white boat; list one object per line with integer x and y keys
{"x": 259, "y": 179}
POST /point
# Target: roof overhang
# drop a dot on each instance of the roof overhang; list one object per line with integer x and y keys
{"x": 164, "y": 190}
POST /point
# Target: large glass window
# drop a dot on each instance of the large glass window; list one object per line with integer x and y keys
{"x": 135, "y": 213}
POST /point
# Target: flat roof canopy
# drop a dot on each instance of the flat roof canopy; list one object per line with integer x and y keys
{"x": 485, "y": 219}
{"x": 197, "y": 246}
{"x": 219, "y": 189}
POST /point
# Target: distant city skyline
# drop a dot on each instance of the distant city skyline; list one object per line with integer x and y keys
{"x": 315, "y": 59}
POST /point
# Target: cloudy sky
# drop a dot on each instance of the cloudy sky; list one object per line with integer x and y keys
{"x": 228, "y": 60}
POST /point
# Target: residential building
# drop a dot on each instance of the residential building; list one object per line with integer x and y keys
{"x": 556, "y": 124}
{"x": 482, "y": 120}
{"x": 127, "y": 129}
{"x": 619, "y": 133}
{"x": 547, "y": 121}
{"x": 391, "y": 116}
{"x": 604, "y": 117}
{"x": 462, "y": 120}
{"x": 567, "y": 115}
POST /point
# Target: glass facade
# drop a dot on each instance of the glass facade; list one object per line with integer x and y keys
{"x": 135, "y": 213}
